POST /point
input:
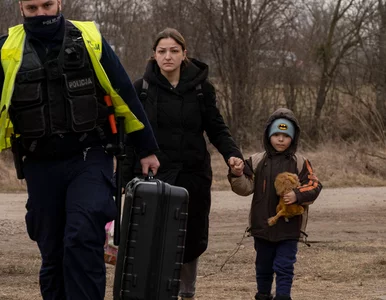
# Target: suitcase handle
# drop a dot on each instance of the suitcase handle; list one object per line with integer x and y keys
{"x": 150, "y": 175}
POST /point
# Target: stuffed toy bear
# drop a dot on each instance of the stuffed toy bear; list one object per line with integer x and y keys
{"x": 284, "y": 183}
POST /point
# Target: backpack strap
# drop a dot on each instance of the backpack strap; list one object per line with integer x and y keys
{"x": 148, "y": 98}
{"x": 304, "y": 217}
{"x": 200, "y": 98}
{"x": 199, "y": 94}
{"x": 299, "y": 162}
{"x": 145, "y": 87}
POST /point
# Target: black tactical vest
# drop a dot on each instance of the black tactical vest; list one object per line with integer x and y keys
{"x": 58, "y": 96}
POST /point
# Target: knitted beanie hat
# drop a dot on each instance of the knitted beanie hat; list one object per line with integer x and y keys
{"x": 282, "y": 126}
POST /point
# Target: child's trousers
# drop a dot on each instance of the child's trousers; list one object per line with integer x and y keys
{"x": 275, "y": 258}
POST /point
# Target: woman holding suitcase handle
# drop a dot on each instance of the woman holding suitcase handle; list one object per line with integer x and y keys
{"x": 180, "y": 103}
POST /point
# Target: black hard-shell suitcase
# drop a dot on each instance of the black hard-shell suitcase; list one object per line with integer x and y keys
{"x": 152, "y": 239}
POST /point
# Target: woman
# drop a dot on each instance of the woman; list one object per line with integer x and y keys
{"x": 181, "y": 105}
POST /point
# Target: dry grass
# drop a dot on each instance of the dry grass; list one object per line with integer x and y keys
{"x": 336, "y": 165}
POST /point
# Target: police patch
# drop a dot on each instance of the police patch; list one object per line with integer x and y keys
{"x": 80, "y": 84}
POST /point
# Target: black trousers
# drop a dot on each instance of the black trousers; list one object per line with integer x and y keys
{"x": 69, "y": 203}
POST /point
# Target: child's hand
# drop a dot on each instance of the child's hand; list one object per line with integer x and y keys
{"x": 289, "y": 198}
{"x": 237, "y": 165}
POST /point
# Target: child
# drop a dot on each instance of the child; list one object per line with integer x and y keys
{"x": 276, "y": 246}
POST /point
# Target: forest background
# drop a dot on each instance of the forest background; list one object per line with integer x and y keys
{"x": 325, "y": 60}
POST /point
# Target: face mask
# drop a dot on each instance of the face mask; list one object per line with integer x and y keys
{"x": 43, "y": 27}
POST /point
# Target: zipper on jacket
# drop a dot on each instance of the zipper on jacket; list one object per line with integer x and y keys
{"x": 265, "y": 181}
{"x": 268, "y": 207}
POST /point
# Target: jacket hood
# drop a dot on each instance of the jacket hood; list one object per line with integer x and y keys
{"x": 287, "y": 114}
{"x": 192, "y": 73}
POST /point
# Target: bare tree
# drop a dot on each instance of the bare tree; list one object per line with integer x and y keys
{"x": 336, "y": 29}
{"x": 312, "y": 56}
{"x": 241, "y": 33}
{"x": 380, "y": 69}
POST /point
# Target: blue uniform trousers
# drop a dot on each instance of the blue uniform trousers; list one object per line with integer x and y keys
{"x": 69, "y": 203}
{"x": 275, "y": 258}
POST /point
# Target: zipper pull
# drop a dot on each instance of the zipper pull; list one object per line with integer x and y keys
{"x": 85, "y": 153}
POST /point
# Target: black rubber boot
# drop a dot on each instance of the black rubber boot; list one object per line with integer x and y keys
{"x": 259, "y": 296}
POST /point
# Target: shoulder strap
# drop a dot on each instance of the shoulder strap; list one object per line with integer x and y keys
{"x": 199, "y": 94}
{"x": 145, "y": 87}
{"x": 299, "y": 162}
{"x": 200, "y": 97}
{"x": 304, "y": 217}
{"x": 253, "y": 162}
{"x": 149, "y": 93}
{"x": 199, "y": 90}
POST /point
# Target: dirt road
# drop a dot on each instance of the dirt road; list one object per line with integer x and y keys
{"x": 346, "y": 260}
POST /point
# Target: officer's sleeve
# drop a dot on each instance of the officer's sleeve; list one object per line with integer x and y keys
{"x": 143, "y": 140}
{"x": 2, "y": 76}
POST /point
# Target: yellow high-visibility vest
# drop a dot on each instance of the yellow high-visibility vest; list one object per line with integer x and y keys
{"x": 11, "y": 60}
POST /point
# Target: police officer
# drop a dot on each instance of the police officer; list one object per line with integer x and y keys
{"x": 54, "y": 75}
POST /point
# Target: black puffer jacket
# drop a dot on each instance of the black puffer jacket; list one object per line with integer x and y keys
{"x": 179, "y": 117}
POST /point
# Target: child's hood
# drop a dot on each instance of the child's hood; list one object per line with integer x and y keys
{"x": 282, "y": 113}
